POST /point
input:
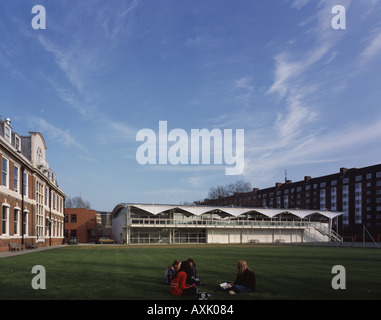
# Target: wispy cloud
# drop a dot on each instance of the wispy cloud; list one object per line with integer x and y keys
{"x": 81, "y": 60}
{"x": 298, "y": 4}
{"x": 290, "y": 123}
{"x": 373, "y": 49}
{"x": 75, "y": 61}
{"x": 114, "y": 22}
{"x": 244, "y": 83}
{"x": 290, "y": 68}
{"x": 297, "y": 136}
{"x": 114, "y": 131}
{"x": 82, "y": 45}
{"x": 63, "y": 137}
{"x": 294, "y": 85}
{"x": 266, "y": 155}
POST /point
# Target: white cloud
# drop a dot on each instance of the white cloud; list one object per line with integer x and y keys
{"x": 372, "y": 50}
{"x": 59, "y": 135}
{"x": 266, "y": 155}
{"x": 294, "y": 84}
{"x": 75, "y": 61}
{"x": 115, "y": 22}
{"x": 244, "y": 83}
{"x": 301, "y": 80}
{"x": 298, "y": 4}
{"x": 295, "y": 118}
{"x": 289, "y": 68}
{"x": 114, "y": 131}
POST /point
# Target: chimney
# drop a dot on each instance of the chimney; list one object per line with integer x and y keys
{"x": 343, "y": 171}
{"x": 306, "y": 179}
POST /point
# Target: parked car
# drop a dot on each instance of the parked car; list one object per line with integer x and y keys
{"x": 105, "y": 240}
{"x": 72, "y": 240}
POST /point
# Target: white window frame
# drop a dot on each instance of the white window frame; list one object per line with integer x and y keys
{"x": 17, "y": 143}
{"x": 25, "y": 227}
{"x": 40, "y": 214}
{"x": 6, "y": 172}
{"x": 16, "y": 180}
{"x": 16, "y": 221}
{"x": 5, "y": 219}
{"x": 7, "y": 133}
{"x": 26, "y": 184}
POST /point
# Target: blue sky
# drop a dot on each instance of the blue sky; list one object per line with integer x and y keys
{"x": 307, "y": 96}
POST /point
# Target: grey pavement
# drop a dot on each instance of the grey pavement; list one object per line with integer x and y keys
{"x": 6, "y": 254}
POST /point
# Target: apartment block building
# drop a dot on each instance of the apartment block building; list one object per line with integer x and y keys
{"x": 356, "y": 192}
{"x": 32, "y": 204}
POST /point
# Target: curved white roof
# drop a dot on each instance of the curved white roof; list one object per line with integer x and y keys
{"x": 156, "y": 209}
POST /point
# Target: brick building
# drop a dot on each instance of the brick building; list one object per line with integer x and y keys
{"x": 356, "y": 192}
{"x": 32, "y": 204}
{"x": 81, "y": 224}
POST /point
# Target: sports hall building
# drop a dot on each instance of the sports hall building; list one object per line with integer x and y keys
{"x": 171, "y": 224}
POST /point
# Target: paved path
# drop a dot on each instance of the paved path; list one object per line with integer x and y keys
{"x": 6, "y": 254}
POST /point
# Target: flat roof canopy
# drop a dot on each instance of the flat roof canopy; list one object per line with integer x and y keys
{"x": 156, "y": 209}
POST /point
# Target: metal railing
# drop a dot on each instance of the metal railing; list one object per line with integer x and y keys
{"x": 333, "y": 235}
{"x": 205, "y": 223}
{"x": 236, "y": 223}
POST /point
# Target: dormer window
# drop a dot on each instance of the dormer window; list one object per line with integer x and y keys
{"x": 17, "y": 143}
{"x": 7, "y": 133}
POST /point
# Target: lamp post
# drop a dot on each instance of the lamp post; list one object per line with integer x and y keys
{"x": 50, "y": 216}
{"x": 22, "y": 205}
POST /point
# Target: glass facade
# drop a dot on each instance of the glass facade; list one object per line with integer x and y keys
{"x": 165, "y": 235}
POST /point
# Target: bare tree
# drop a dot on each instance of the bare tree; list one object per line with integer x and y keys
{"x": 218, "y": 191}
{"x": 77, "y": 202}
{"x": 229, "y": 189}
{"x": 239, "y": 186}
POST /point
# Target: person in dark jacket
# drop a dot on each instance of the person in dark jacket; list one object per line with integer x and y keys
{"x": 171, "y": 271}
{"x": 192, "y": 274}
{"x": 245, "y": 281}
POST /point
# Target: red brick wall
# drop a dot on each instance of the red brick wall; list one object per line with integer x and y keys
{"x": 86, "y": 222}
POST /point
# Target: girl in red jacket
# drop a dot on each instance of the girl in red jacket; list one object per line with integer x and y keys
{"x": 178, "y": 285}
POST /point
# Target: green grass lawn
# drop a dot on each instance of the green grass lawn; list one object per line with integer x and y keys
{"x": 137, "y": 272}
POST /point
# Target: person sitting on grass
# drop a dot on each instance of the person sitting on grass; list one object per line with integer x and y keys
{"x": 171, "y": 271}
{"x": 178, "y": 284}
{"x": 192, "y": 274}
{"x": 245, "y": 281}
